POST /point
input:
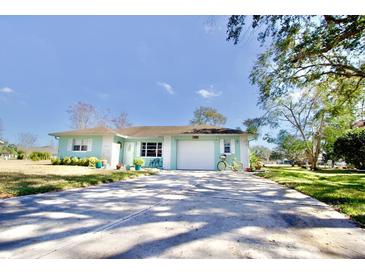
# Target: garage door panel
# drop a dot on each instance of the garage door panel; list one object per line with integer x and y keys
{"x": 195, "y": 155}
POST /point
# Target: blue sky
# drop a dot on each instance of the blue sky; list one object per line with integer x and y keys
{"x": 158, "y": 69}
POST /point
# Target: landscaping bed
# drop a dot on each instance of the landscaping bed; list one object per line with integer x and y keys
{"x": 342, "y": 189}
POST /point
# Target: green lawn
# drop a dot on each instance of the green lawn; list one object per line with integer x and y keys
{"x": 19, "y": 184}
{"x": 343, "y": 189}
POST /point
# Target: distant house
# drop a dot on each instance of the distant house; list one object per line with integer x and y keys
{"x": 2, "y": 142}
{"x": 359, "y": 123}
{"x": 173, "y": 147}
{"x": 53, "y": 150}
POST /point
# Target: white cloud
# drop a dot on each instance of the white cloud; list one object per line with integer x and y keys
{"x": 103, "y": 95}
{"x": 6, "y": 90}
{"x": 206, "y": 93}
{"x": 167, "y": 87}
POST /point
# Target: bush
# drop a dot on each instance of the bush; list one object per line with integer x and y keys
{"x": 253, "y": 160}
{"x": 84, "y": 162}
{"x": 92, "y": 161}
{"x": 66, "y": 161}
{"x": 36, "y": 156}
{"x": 138, "y": 162}
{"x": 55, "y": 161}
{"x": 351, "y": 147}
{"x": 21, "y": 155}
{"x": 74, "y": 161}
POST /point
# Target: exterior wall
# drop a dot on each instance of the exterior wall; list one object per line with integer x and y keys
{"x": 217, "y": 149}
{"x": 244, "y": 151}
{"x": 137, "y": 148}
{"x": 110, "y": 151}
{"x": 96, "y": 147}
{"x": 169, "y": 148}
{"x": 166, "y": 152}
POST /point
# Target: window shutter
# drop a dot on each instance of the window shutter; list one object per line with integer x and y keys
{"x": 89, "y": 144}
{"x": 233, "y": 146}
{"x": 221, "y": 150}
{"x": 69, "y": 144}
{"x": 138, "y": 149}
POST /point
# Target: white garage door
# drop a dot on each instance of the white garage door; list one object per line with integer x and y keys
{"x": 195, "y": 155}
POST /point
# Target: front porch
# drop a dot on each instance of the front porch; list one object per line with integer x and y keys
{"x": 150, "y": 150}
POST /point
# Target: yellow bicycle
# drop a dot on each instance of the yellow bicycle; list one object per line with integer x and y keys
{"x": 234, "y": 166}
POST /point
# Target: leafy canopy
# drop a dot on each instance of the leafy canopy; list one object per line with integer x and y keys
{"x": 305, "y": 51}
{"x": 208, "y": 116}
{"x": 288, "y": 146}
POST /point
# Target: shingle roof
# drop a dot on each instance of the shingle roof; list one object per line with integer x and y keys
{"x": 86, "y": 132}
{"x": 145, "y": 131}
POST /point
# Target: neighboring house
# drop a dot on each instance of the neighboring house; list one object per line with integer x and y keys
{"x": 175, "y": 147}
{"x": 1, "y": 142}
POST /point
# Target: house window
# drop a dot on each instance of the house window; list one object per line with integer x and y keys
{"x": 151, "y": 149}
{"x": 227, "y": 146}
{"x": 80, "y": 144}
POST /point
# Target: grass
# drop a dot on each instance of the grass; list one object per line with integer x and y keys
{"x": 18, "y": 184}
{"x": 343, "y": 189}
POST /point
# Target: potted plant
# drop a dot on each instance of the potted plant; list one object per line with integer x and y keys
{"x": 98, "y": 164}
{"x": 138, "y": 163}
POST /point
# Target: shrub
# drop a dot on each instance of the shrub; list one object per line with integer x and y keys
{"x": 138, "y": 162}
{"x": 83, "y": 162}
{"x": 36, "y": 156}
{"x": 351, "y": 147}
{"x": 92, "y": 161}
{"x": 253, "y": 160}
{"x": 21, "y": 155}
{"x": 74, "y": 161}
{"x": 55, "y": 161}
{"x": 66, "y": 161}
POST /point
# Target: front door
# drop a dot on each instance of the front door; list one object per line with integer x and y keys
{"x": 128, "y": 153}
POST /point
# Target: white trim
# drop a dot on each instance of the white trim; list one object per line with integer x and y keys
{"x": 146, "y": 142}
{"x": 244, "y": 151}
{"x": 166, "y": 152}
{"x": 90, "y": 144}
{"x": 221, "y": 146}
{"x": 137, "y": 153}
{"x": 233, "y": 147}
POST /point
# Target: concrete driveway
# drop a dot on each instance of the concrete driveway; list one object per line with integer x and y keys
{"x": 178, "y": 214}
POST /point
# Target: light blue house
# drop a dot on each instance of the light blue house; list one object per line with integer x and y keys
{"x": 195, "y": 147}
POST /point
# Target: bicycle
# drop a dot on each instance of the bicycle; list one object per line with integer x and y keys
{"x": 223, "y": 164}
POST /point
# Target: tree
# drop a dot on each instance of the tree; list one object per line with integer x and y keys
{"x": 304, "y": 112}
{"x": 1, "y": 128}
{"x": 289, "y": 147}
{"x": 262, "y": 152}
{"x": 27, "y": 139}
{"x": 82, "y": 115}
{"x": 8, "y": 149}
{"x": 276, "y": 154}
{"x": 334, "y": 129}
{"x": 208, "y": 116}
{"x": 121, "y": 121}
{"x": 351, "y": 147}
{"x": 305, "y": 51}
